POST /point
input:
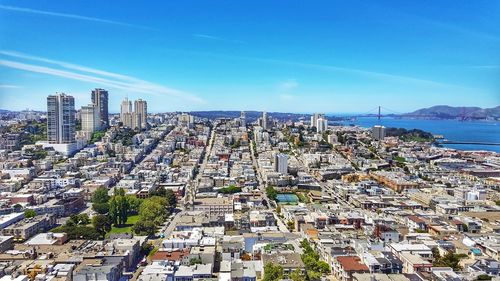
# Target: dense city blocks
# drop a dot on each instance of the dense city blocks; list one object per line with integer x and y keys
{"x": 223, "y": 140}
{"x": 176, "y": 196}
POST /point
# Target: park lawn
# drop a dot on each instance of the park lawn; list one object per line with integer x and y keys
{"x": 126, "y": 228}
{"x": 400, "y": 159}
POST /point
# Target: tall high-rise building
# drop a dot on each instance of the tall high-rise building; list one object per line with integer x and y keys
{"x": 126, "y": 119}
{"x": 100, "y": 100}
{"x": 321, "y": 125}
{"x": 378, "y": 132}
{"x": 60, "y": 119}
{"x": 136, "y": 119}
{"x": 185, "y": 119}
{"x": 243, "y": 119}
{"x": 281, "y": 163}
{"x": 265, "y": 121}
{"x": 91, "y": 118}
{"x": 141, "y": 110}
{"x": 126, "y": 107}
{"x": 315, "y": 117}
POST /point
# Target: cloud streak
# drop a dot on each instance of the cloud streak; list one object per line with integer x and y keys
{"x": 215, "y": 38}
{"x": 288, "y": 85}
{"x": 4, "y": 86}
{"x": 70, "y": 16}
{"x": 332, "y": 68}
{"x": 94, "y": 76}
{"x": 492, "y": 66}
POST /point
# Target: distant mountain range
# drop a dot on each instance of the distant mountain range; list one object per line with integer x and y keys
{"x": 250, "y": 115}
{"x": 435, "y": 112}
{"x": 450, "y": 112}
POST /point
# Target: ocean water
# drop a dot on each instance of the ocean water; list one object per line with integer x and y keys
{"x": 453, "y": 130}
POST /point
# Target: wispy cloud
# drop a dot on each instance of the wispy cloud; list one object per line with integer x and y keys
{"x": 286, "y": 97}
{"x": 215, "y": 38}
{"x": 285, "y": 89}
{"x": 288, "y": 85}
{"x": 4, "y": 86}
{"x": 383, "y": 76}
{"x": 367, "y": 73}
{"x": 456, "y": 28}
{"x": 491, "y": 66}
{"x": 94, "y": 76}
{"x": 70, "y": 16}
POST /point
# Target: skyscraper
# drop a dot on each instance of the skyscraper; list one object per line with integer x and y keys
{"x": 315, "y": 117}
{"x": 100, "y": 100}
{"x": 141, "y": 111}
{"x": 91, "y": 118}
{"x": 321, "y": 125}
{"x": 378, "y": 132}
{"x": 126, "y": 107}
{"x": 243, "y": 119}
{"x": 265, "y": 121}
{"x": 281, "y": 163}
{"x": 126, "y": 119}
{"x": 60, "y": 119}
{"x": 136, "y": 120}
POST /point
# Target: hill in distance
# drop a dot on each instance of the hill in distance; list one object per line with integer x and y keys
{"x": 450, "y": 112}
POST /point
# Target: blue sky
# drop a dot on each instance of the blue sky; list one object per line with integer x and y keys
{"x": 300, "y": 56}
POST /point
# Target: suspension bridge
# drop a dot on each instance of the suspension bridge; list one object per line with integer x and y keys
{"x": 439, "y": 139}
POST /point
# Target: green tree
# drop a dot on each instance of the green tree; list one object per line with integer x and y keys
{"x": 119, "y": 207}
{"x": 80, "y": 219}
{"x": 313, "y": 265}
{"x": 465, "y": 228}
{"x": 134, "y": 204}
{"x": 144, "y": 227}
{"x": 272, "y": 272}
{"x": 101, "y": 208}
{"x": 297, "y": 275}
{"x": 102, "y": 224}
{"x": 78, "y": 232}
{"x": 168, "y": 194}
{"x": 113, "y": 210}
{"x": 124, "y": 209}
{"x": 313, "y": 275}
{"x": 194, "y": 261}
{"x": 323, "y": 267}
{"x": 100, "y": 200}
{"x": 160, "y": 191}
{"x": 171, "y": 198}
{"x": 29, "y": 213}
{"x": 154, "y": 209}
{"x": 450, "y": 259}
{"x": 230, "y": 189}
{"x": 97, "y": 136}
{"x": 100, "y": 195}
{"x": 271, "y": 193}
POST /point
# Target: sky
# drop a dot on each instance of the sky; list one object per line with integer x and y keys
{"x": 288, "y": 56}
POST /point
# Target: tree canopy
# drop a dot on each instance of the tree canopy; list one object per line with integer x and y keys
{"x": 29, "y": 213}
{"x": 272, "y": 272}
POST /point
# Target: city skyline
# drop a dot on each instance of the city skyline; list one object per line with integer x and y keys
{"x": 326, "y": 56}
{"x": 223, "y": 140}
